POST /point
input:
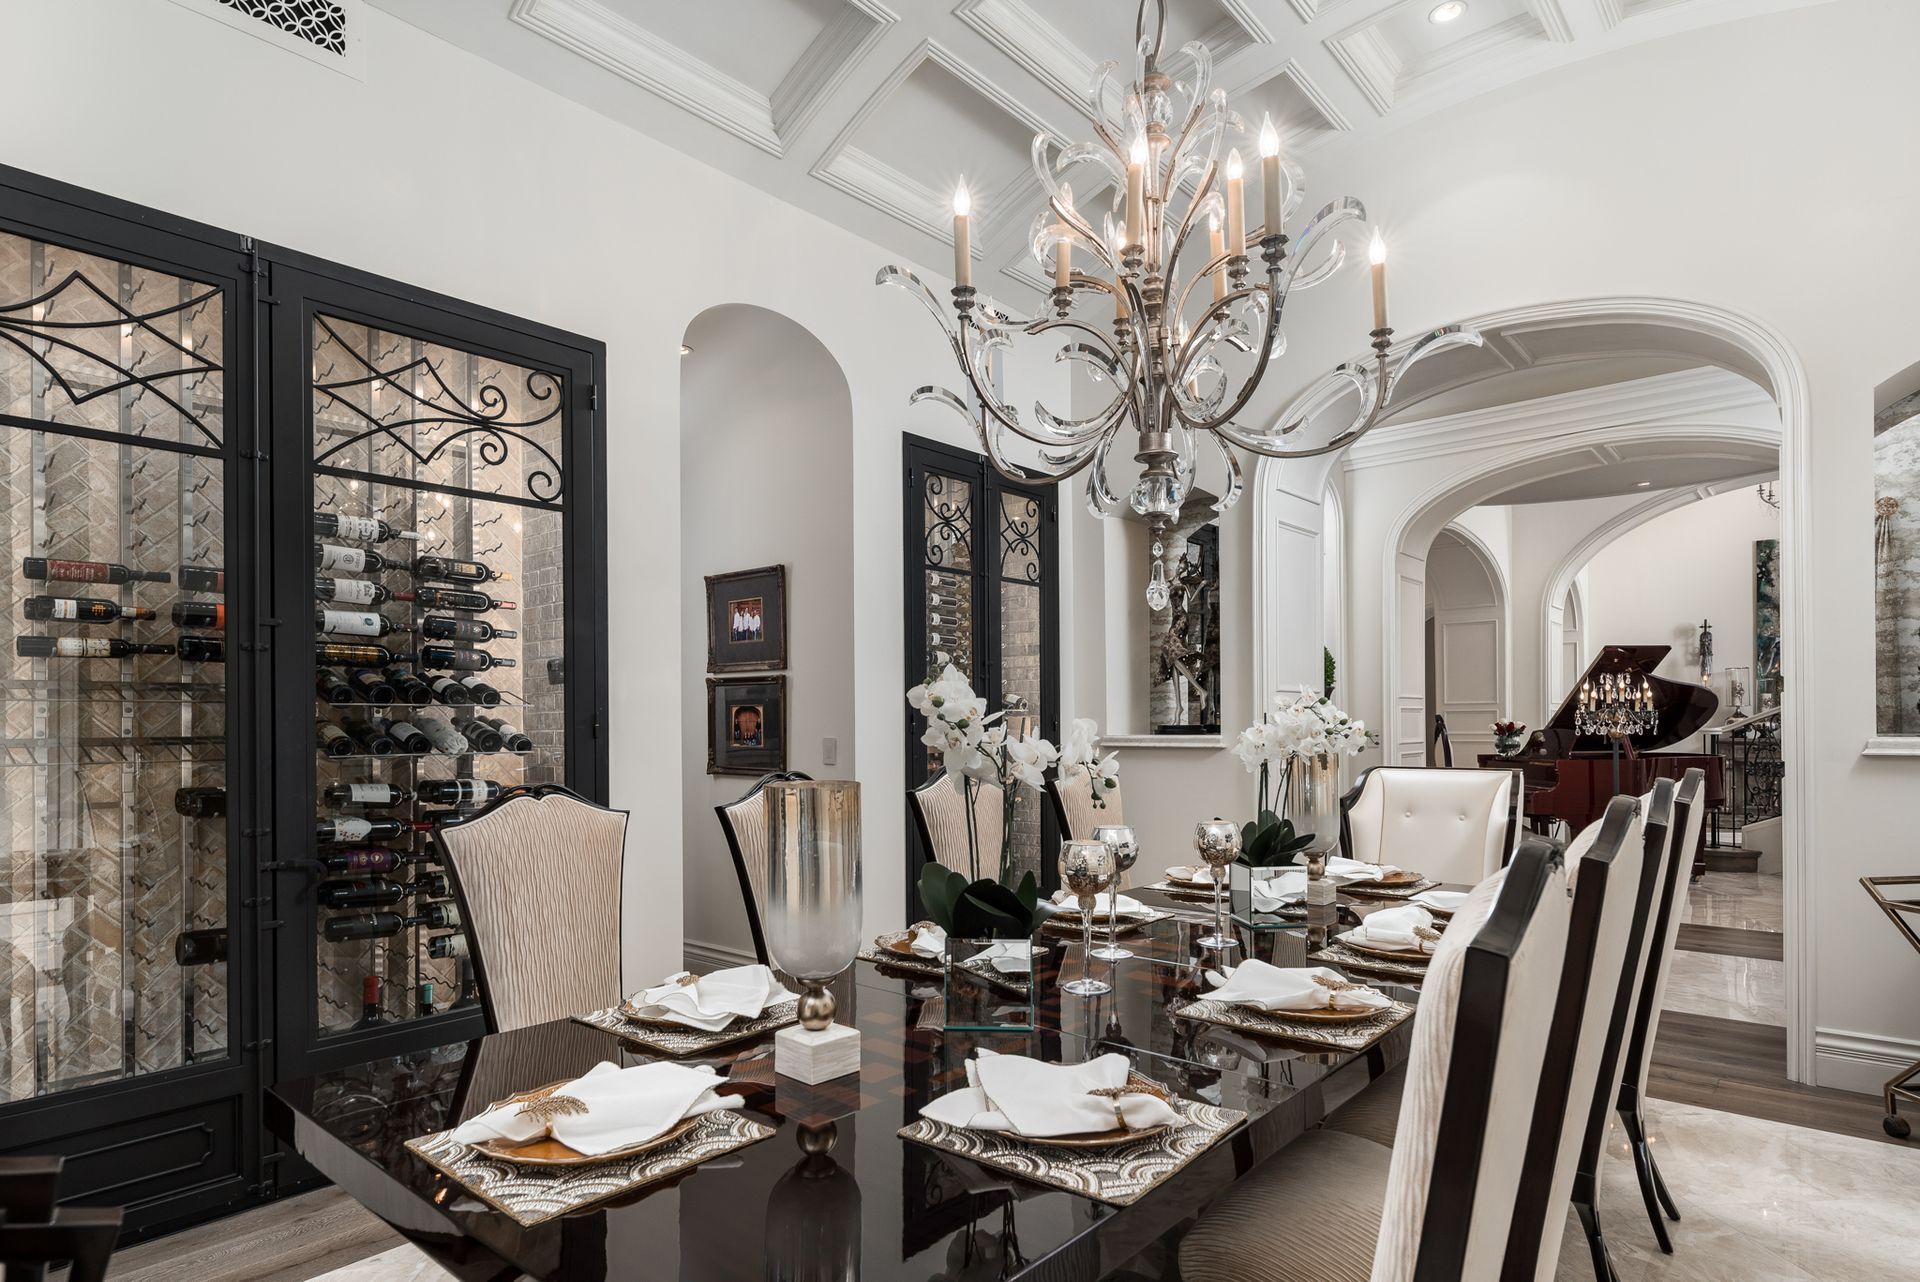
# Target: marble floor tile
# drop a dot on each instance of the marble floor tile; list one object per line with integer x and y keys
{"x": 1749, "y": 900}
{"x": 1746, "y": 988}
{"x": 401, "y": 1264}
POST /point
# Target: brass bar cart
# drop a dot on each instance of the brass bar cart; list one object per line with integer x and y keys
{"x": 1904, "y": 914}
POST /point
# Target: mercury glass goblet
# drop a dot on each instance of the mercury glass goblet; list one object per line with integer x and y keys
{"x": 1086, "y": 869}
{"x": 1120, "y": 840}
{"x": 1218, "y": 843}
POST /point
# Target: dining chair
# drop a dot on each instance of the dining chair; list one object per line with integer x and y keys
{"x": 1452, "y": 825}
{"x": 745, "y": 824}
{"x": 940, "y": 816}
{"x": 1441, "y": 752}
{"x": 1436, "y": 1207}
{"x": 1072, "y": 800}
{"x": 537, "y": 877}
{"x": 1689, "y": 815}
{"x": 37, "y": 1234}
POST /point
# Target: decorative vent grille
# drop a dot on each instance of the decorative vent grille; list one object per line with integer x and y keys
{"x": 321, "y": 23}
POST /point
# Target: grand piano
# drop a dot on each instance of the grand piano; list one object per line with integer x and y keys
{"x": 1570, "y": 776}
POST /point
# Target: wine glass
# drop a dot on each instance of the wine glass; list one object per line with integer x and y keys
{"x": 1120, "y": 840}
{"x": 1218, "y": 842}
{"x": 1086, "y": 869}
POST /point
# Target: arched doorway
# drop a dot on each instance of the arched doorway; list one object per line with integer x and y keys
{"x": 1466, "y": 643}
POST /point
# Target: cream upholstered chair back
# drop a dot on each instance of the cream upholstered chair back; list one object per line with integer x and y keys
{"x": 744, "y": 822}
{"x": 1689, "y": 813}
{"x": 537, "y": 876}
{"x": 940, "y": 815}
{"x": 1452, "y": 825}
{"x": 1481, "y": 1038}
{"x": 1073, "y": 808}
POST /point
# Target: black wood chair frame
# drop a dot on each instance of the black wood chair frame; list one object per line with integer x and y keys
{"x": 740, "y": 859}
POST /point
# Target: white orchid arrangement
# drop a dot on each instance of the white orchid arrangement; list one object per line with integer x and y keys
{"x": 1301, "y": 725}
{"x": 1081, "y": 755}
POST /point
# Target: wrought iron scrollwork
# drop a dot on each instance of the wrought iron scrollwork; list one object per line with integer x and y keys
{"x": 442, "y": 407}
{"x": 949, "y": 524}
{"x": 1020, "y": 538}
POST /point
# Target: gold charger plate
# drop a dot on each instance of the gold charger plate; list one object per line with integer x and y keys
{"x": 1331, "y": 1014}
{"x": 1394, "y": 882}
{"x": 1391, "y": 954}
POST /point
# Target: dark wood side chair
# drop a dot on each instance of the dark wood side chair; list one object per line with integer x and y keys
{"x": 745, "y": 824}
{"x": 1442, "y": 754}
{"x": 537, "y": 876}
{"x": 36, "y": 1233}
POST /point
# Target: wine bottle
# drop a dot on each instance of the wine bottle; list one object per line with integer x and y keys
{"x": 433, "y": 885}
{"x": 368, "y": 859}
{"x": 407, "y": 735}
{"x": 35, "y": 567}
{"x": 444, "y": 736}
{"x": 201, "y": 578}
{"x": 483, "y": 693}
{"x": 333, "y": 740}
{"x": 439, "y": 916}
{"x": 331, "y": 686}
{"x": 347, "y": 828}
{"x": 441, "y": 947}
{"x": 482, "y": 736}
{"x": 369, "y": 1003}
{"x": 371, "y": 685}
{"x": 442, "y": 628}
{"x": 82, "y": 609}
{"x": 472, "y": 602}
{"x": 369, "y": 736}
{"x": 366, "y": 794}
{"x": 359, "y": 656}
{"x": 457, "y": 659}
{"x": 423, "y": 998}
{"x": 200, "y": 947}
{"x": 199, "y": 614}
{"x": 452, "y": 693}
{"x": 331, "y": 556}
{"x": 83, "y": 648}
{"x": 447, "y": 570}
{"x": 360, "y": 529}
{"x": 367, "y": 892}
{"x": 516, "y": 740}
{"x": 351, "y": 926}
{"x": 200, "y": 803}
{"x": 350, "y": 591}
{"x": 409, "y": 689}
{"x": 203, "y": 649}
{"x": 457, "y": 792}
{"x": 357, "y": 623}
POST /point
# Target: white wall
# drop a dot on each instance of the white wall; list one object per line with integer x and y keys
{"x": 766, "y": 478}
{"x": 1653, "y": 585}
{"x": 1467, "y": 605}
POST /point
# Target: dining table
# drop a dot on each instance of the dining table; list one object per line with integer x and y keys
{"x": 837, "y": 1191}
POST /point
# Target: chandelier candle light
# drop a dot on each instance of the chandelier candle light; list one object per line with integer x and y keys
{"x": 1164, "y": 349}
{"x": 1615, "y": 709}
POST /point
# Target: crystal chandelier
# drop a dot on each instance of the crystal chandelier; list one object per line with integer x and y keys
{"x": 1171, "y": 317}
{"x": 1613, "y": 708}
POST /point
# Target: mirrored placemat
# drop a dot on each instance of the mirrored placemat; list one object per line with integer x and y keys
{"x": 1408, "y": 891}
{"x": 1116, "y": 1175}
{"x": 532, "y": 1194}
{"x": 1338, "y": 954}
{"x": 1355, "y": 1035}
{"x": 675, "y": 1039}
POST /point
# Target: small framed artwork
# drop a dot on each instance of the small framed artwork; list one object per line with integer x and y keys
{"x": 746, "y": 725}
{"x": 747, "y": 620}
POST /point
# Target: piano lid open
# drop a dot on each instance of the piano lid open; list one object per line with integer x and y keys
{"x": 1682, "y": 706}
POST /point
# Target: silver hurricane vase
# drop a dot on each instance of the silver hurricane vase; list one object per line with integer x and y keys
{"x": 813, "y": 886}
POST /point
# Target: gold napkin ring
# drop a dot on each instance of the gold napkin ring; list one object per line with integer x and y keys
{"x": 687, "y": 980}
{"x": 1427, "y": 933}
{"x": 545, "y": 1103}
{"x": 1333, "y": 986}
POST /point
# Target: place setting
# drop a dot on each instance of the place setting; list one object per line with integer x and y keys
{"x": 688, "y": 1014}
{"x": 1097, "y": 1128}
{"x": 573, "y": 1144}
{"x": 1376, "y": 881}
{"x": 1397, "y": 942}
{"x": 1308, "y": 1005}
{"x": 921, "y": 950}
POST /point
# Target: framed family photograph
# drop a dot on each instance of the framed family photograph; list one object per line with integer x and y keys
{"x": 747, "y": 620}
{"x": 746, "y": 725}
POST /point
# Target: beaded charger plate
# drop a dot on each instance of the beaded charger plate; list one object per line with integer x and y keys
{"x": 1067, "y": 922}
{"x": 1338, "y": 954}
{"x": 678, "y": 1039}
{"x": 533, "y": 1194}
{"x": 1300, "y": 1027}
{"x": 1388, "y": 890}
{"x": 886, "y": 952}
{"x": 1117, "y": 1174}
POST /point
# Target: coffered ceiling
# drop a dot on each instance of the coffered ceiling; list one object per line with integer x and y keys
{"x": 868, "y": 111}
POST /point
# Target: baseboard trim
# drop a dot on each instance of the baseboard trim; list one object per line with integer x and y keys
{"x": 1859, "y": 1061}
{"x": 702, "y": 957}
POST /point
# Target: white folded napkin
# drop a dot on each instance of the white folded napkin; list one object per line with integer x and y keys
{"x": 1395, "y": 928}
{"x": 1256, "y": 984}
{"x": 928, "y": 940}
{"x": 1448, "y": 901}
{"x": 711, "y": 1002}
{"x": 1009, "y": 957}
{"x": 616, "y": 1107}
{"x": 1071, "y": 903}
{"x": 1189, "y": 874}
{"x": 1273, "y": 893}
{"x": 1340, "y": 868}
{"x": 1027, "y": 1097}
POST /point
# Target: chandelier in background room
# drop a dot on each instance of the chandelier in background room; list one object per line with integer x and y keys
{"x": 1183, "y": 331}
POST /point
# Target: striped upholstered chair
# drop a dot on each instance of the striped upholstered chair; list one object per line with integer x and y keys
{"x": 537, "y": 878}
{"x": 1072, "y": 801}
{"x": 940, "y": 815}
{"x": 745, "y": 824}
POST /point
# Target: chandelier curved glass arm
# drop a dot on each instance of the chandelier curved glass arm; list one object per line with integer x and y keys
{"x": 1236, "y": 482}
{"x": 977, "y": 365}
{"x": 1275, "y": 299}
{"x": 1100, "y": 496}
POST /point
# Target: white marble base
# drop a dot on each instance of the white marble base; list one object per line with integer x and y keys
{"x": 812, "y": 1057}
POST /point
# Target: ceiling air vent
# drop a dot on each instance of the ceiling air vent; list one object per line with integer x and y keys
{"x": 322, "y": 23}
{"x": 324, "y": 31}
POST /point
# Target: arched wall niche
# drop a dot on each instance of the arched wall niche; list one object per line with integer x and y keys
{"x": 1466, "y": 666}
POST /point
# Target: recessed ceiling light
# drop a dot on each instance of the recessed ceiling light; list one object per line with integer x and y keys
{"x": 1448, "y": 11}
{"x": 685, "y": 350}
{"x": 1641, "y": 485}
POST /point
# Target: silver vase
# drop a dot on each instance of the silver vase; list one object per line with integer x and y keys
{"x": 1310, "y": 797}
{"x": 813, "y": 886}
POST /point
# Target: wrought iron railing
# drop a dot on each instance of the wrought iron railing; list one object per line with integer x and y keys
{"x": 1755, "y": 772}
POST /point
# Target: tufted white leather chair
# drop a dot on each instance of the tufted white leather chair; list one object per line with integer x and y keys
{"x": 1452, "y": 825}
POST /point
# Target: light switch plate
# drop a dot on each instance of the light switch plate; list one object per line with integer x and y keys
{"x": 829, "y": 751}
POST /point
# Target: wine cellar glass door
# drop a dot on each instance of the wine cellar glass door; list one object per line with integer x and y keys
{"x": 449, "y": 619}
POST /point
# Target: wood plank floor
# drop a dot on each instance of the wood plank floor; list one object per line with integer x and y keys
{"x": 1731, "y": 941}
{"x": 290, "y": 1241}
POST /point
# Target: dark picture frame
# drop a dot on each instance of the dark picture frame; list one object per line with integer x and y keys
{"x": 746, "y": 725}
{"x": 747, "y": 620}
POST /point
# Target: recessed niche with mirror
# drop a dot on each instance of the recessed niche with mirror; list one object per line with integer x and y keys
{"x": 1896, "y": 557}
{"x": 1183, "y": 640}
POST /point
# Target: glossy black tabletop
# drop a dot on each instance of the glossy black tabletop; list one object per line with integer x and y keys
{"x": 836, "y": 1193}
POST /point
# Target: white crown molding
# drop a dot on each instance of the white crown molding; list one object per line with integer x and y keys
{"x": 633, "y": 53}
{"x": 1364, "y": 54}
{"x": 351, "y": 62}
{"x": 1610, "y": 13}
{"x": 834, "y": 53}
{"x": 867, "y": 178}
{"x": 1334, "y": 120}
{"x": 1387, "y": 78}
{"x": 1553, "y": 20}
